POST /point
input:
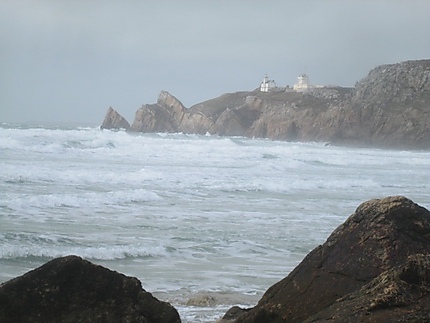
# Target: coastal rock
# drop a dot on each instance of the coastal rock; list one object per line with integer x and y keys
{"x": 154, "y": 118}
{"x": 229, "y": 123}
{"x": 390, "y": 107}
{"x": 196, "y": 123}
{"x": 216, "y": 116}
{"x": 394, "y": 83}
{"x": 164, "y": 116}
{"x": 376, "y": 260}
{"x": 113, "y": 120}
{"x": 70, "y": 289}
{"x": 174, "y": 106}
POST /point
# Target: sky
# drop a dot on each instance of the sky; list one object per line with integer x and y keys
{"x": 68, "y": 61}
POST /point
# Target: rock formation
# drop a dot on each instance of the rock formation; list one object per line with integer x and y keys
{"x": 113, "y": 120}
{"x": 164, "y": 116}
{"x": 375, "y": 268}
{"x": 70, "y": 289}
{"x": 388, "y": 108}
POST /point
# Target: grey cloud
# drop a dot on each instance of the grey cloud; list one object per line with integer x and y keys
{"x": 70, "y": 60}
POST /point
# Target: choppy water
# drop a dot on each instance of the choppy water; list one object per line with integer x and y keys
{"x": 204, "y": 222}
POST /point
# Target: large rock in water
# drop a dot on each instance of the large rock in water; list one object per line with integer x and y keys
{"x": 70, "y": 289}
{"x": 373, "y": 268}
{"x": 113, "y": 120}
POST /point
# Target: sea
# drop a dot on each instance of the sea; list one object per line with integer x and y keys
{"x": 204, "y": 222}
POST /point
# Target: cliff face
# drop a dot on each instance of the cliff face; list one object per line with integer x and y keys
{"x": 388, "y": 108}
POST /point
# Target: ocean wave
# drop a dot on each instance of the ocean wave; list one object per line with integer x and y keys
{"x": 57, "y": 140}
{"x": 9, "y": 251}
{"x": 82, "y": 200}
{"x": 295, "y": 185}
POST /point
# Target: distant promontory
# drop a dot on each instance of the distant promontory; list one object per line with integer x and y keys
{"x": 389, "y": 108}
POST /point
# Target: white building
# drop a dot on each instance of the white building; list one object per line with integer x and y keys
{"x": 267, "y": 85}
{"x": 302, "y": 83}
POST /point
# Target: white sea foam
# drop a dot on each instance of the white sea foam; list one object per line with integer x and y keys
{"x": 36, "y": 249}
{"x": 81, "y": 200}
{"x": 186, "y": 214}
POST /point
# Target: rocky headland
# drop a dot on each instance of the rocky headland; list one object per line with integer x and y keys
{"x": 389, "y": 108}
{"x": 375, "y": 267}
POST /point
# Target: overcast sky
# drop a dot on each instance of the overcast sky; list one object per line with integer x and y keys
{"x": 68, "y": 61}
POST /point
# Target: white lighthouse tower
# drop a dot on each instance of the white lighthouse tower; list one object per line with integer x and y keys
{"x": 267, "y": 85}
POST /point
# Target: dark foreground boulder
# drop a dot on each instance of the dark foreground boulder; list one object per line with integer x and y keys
{"x": 70, "y": 289}
{"x": 373, "y": 268}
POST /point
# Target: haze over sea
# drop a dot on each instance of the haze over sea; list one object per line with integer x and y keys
{"x": 200, "y": 220}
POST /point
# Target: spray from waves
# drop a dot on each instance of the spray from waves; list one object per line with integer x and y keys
{"x": 52, "y": 141}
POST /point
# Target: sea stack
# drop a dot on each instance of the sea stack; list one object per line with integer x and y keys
{"x": 113, "y": 120}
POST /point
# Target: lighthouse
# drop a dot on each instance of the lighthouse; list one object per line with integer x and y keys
{"x": 267, "y": 85}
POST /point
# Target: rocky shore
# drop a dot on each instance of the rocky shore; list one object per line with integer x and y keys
{"x": 375, "y": 267}
{"x": 389, "y": 108}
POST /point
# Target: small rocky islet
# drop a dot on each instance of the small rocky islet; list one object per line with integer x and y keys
{"x": 375, "y": 267}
